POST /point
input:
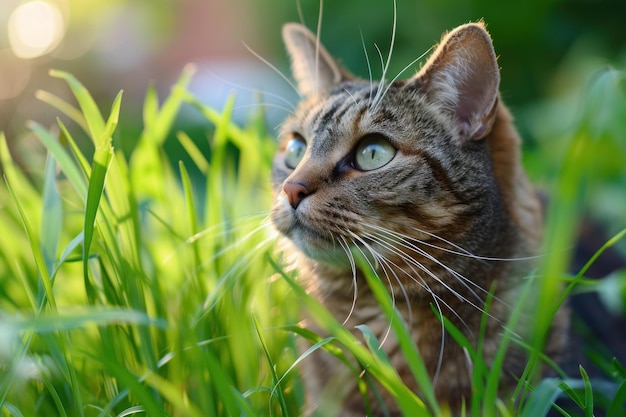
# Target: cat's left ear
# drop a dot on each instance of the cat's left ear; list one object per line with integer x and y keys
{"x": 462, "y": 76}
{"x": 313, "y": 68}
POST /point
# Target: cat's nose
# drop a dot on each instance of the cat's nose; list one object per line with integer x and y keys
{"x": 296, "y": 192}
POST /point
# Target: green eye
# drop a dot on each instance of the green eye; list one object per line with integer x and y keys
{"x": 294, "y": 152}
{"x": 373, "y": 152}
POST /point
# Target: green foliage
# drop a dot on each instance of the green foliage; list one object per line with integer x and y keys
{"x": 119, "y": 296}
{"x": 130, "y": 286}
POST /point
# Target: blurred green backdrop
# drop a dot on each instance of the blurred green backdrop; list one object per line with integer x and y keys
{"x": 544, "y": 45}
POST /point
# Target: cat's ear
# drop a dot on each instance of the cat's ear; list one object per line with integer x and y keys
{"x": 463, "y": 76}
{"x": 312, "y": 66}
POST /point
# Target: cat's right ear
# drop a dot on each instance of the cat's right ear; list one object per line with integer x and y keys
{"x": 313, "y": 68}
{"x": 463, "y": 77}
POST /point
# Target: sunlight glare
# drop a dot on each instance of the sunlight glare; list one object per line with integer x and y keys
{"x": 35, "y": 28}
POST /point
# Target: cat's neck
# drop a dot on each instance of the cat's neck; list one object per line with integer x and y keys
{"x": 519, "y": 197}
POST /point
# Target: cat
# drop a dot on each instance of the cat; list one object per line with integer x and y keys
{"x": 422, "y": 175}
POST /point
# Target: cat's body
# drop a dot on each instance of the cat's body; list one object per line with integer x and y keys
{"x": 424, "y": 177}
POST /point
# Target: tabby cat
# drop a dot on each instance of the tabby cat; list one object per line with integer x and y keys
{"x": 423, "y": 176}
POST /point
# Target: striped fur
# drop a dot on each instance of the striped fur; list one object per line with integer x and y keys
{"x": 448, "y": 217}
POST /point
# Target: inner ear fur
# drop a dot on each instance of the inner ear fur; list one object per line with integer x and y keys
{"x": 312, "y": 66}
{"x": 463, "y": 77}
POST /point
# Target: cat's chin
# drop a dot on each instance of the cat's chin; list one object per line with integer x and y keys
{"x": 318, "y": 248}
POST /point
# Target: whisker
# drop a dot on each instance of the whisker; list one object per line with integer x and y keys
{"x": 460, "y": 250}
{"x": 265, "y": 105}
{"x": 369, "y": 69}
{"x": 465, "y": 281}
{"x": 382, "y": 90}
{"x": 273, "y": 67}
{"x": 254, "y": 90}
{"x": 317, "y": 41}
{"x": 436, "y": 299}
{"x": 381, "y": 83}
{"x": 391, "y": 290}
{"x": 404, "y": 241}
{"x": 415, "y": 262}
{"x": 410, "y": 64}
{"x": 219, "y": 230}
{"x": 411, "y": 261}
{"x": 226, "y": 281}
{"x": 346, "y": 247}
{"x": 351, "y": 96}
{"x": 300, "y": 12}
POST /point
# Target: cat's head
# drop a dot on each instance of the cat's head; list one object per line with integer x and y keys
{"x": 381, "y": 165}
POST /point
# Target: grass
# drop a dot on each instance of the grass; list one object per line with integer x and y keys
{"x": 130, "y": 287}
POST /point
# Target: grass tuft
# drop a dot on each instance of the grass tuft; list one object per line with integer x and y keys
{"x": 131, "y": 285}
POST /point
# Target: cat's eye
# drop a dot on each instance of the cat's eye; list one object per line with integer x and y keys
{"x": 373, "y": 152}
{"x": 294, "y": 151}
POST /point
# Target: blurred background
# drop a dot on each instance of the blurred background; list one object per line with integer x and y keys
{"x": 546, "y": 47}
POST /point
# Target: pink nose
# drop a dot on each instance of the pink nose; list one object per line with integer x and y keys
{"x": 296, "y": 192}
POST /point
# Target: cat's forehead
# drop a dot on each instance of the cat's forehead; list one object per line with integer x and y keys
{"x": 348, "y": 112}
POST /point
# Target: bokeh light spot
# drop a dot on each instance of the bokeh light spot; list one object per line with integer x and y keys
{"x": 35, "y": 28}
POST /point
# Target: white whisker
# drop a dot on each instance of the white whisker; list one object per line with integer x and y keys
{"x": 369, "y": 69}
{"x": 273, "y": 67}
{"x": 382, "y": 90}
{"x": 378, "y": 258}
{"x": 253, "y": 90}
{"x": 356, "y": 103}
{"x": 410, "y": 261}
{"x": 265, "y": 105}
{"x": 465, "y": 281}
{"x": 226, "y": 280}
{"x": 317, "y": 41}
{"x": 405, "y": 241}
{"x": 220, "y": 230}
{"x": 346, "y": 247}
{"x": 419, "y": 58}
{"x": 459, "y": 249}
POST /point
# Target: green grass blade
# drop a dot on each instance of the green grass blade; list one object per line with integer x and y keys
{"x": 588, "y": 408}
{"x": 101, "y": 162}
{"x": 126, "y": 378}
{"x": 148, "y": 166}
{"x": 276, "y": 391}
{"x": 191, "y": 216}
{"x": 223, "y": 384}
{"x": 160, "y": 123}
{"x": 51, "y": 216}
{"x": 80, "y": 317}
{"x": 616, "y": 408}
{"x": 407, "y": 401}
{"x": 35, "y": 244}
{"x": 92, "y": 115}
{"x": 64, "y": 107}
{"x": 608, "y": 244}
{"x": 67, "y": 165}
{"x": 407, "y": 345}
{"x": 194, "y": 153}
{"x": 76, "y": 151}
{"x": 544, "y": 395}
{"x": 150, "y": 106}
{"x": 12, "y": 409}
{"x": 177, "y": 400}
{"x": 373, "y": 343}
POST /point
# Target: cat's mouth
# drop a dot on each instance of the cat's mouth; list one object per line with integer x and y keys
{"x": 320, "y": 245}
